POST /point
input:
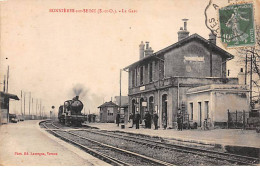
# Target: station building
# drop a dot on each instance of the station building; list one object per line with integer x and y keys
{"x": 4, "y": 103}
{"x": 188, "y": 76}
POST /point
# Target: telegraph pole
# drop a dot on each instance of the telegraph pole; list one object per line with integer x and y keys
{"x": 120, "y": 90}
{"x": 21, "y": 102}
{"x": 40, "y": 108}
{"x": 29, "y": 103}
{"x": 4, "y": 84}
{"x": 36, "y": 107}
{"x": 251, "y": 73}
{"x": 24, "y": 103}
{"x": 32, "y": 105}
{"x": 7, "y": 79}
{"x": 246, "y": 70}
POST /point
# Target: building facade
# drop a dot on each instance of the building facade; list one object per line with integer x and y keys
{"x": 160, "y": 82}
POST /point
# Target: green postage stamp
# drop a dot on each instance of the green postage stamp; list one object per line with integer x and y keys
{"x": 237, "y": 25}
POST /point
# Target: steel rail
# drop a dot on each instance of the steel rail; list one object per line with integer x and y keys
{"x": 149, "y": 159}
{"x": 182, "y": 148}
{"x": 91, "y": 151}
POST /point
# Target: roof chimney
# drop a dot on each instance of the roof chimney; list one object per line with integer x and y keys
{"x": 141, "y": 50}
{"x": 183, "y": 33}
{"x": 241, "y": 77}
{"x": 212, "y": 38}
{"x": 148, "y": 51}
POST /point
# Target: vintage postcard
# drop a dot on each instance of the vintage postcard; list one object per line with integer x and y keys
{"x": 129, "y": 83}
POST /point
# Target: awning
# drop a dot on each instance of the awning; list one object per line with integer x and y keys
{"x": 8, "y": 95}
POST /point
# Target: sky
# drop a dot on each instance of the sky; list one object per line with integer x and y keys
{"x": 50, "y": 54}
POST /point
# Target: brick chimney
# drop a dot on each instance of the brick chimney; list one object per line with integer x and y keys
{"x": 183, "y": 33}
{"x": 241, "y": 77}
{"x": 141, "y": 50}
{"x": 212, "y": 38}
{"x": 148, "y": 50}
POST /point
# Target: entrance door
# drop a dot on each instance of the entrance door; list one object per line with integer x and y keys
{"x": 142, "y": 108}
{"x": 164, "y": 110}
{"x": 200, "y": 116}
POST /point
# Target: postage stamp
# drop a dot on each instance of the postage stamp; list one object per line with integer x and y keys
{"x": 237, "y": 25}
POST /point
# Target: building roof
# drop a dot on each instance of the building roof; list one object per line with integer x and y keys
{"x": 124, "y": 100}
{"x": 218, "y": 87}
{"x": 181, "y": 42}
{"x": 124, "y": 105}
{"x": 9, "y": 96}
{"x": 108, "y": 104}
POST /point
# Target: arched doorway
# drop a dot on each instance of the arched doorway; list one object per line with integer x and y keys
{"x": 142, "y": 108}
{"x": 164, "y": 110}
{"x": 151, "y": 105}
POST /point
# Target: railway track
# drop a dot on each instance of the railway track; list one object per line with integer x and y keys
{"x": 232, "y": 158}
{"x": 112, "y": 155}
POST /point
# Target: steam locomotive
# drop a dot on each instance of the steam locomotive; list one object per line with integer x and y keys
{"x": 70, "y": 112}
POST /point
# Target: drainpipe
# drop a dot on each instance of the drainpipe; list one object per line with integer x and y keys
{"x": 178, "y": 94}
{"x": 158, "y": 107}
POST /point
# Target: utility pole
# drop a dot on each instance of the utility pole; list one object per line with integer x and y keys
{"x": 43, "y": 111}
{"x": 7, "y": 79}
{"x": 29, "y": 103}
{"x": 4, "y": 84}
{"x": 32, "y": 105}
{"x": 36, "y": 107}
{"x": 21, "y": 102}
{"x": 120, "y": 91}
{"x": 40, "y": 108}
{"x": 251, "y": 73}
{"x": 246, "y": 70}
{"x": 24, "y": 103}
{"x": 210, "y": 57}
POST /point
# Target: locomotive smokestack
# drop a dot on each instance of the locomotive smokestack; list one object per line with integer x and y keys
{"x": 77, "y": 97}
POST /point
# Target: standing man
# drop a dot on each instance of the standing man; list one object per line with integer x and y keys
{"x": 117, "y": 119}
{"x": 149, "y": 122}
{"x": 146, "y": 119}
{"x": 137, "y": 120}
{"x": 155, "y": 121}
{"x": 179, "y": 119}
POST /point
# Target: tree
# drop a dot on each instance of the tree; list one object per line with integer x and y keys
{"x": 253, "y": 56}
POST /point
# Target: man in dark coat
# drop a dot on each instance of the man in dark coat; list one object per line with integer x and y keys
{"x": 137, "y": 120}
{"x": 146, "y": 120}
{"x": 149, "y": 118}
{"x": 179, "y": 120}
{"x": 155, "y": 121}
{"x": 117, "y": 119}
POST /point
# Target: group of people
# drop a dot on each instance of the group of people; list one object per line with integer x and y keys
{"x": 148, "y": 119}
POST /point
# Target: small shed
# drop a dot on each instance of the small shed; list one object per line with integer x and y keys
{"x": 108, "y": 112}
{"x": 4, "y": 102}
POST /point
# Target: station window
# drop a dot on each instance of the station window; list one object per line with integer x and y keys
{"x": 199, "y": 114}
{"x": 133, "y": 78}
{"x": 151, "y": 72}
{"x": 191, "y": 111}
{"x": 207, "y": 109}
{"x": 136, "y": 77}
{"x": 141, "y": 75}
